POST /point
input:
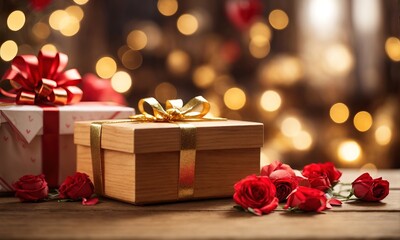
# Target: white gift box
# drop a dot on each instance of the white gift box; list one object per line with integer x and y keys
{"x": 35, "y": 140}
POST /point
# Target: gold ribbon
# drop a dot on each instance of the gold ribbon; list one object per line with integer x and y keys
{"x": 175, "y": 111}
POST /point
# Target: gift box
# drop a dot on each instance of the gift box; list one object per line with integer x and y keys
{"x": 153, "y": 162}
{"x": 39, "y": 139}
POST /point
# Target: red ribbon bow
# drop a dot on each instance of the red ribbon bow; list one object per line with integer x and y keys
{"x": 42, "y": 79}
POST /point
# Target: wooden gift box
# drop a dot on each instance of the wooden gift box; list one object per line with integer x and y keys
{"x": 141, "y": 160}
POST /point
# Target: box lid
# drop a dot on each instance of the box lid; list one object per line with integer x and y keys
{"x": 137, "y": 137}
{"x": 27, "y": 120}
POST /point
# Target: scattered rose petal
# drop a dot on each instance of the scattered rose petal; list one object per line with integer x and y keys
{"x": 335, "y": 202}
{"x": 90, "y": 201}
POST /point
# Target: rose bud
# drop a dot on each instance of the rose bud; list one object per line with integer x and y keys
{"x": 317, "y": 176}
{"x": 76, "y": 187}
{"x": 31, "y": 188}
{"x": 256, "y": 194}
{"x": 372, "y": 190}
{"x": 307, "y": 199}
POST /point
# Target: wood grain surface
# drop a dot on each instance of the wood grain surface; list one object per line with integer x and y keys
{"x": 205, "y": 219}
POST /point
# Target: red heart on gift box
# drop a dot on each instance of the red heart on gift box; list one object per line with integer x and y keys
{"x": 74, "y": 118}
{"x": 67, "y": 125}
{"x": 30, "y": 118}
{"x": 33, "y": 159}
{"x": 5, "y": 138}
{"x": 28, "y": 131}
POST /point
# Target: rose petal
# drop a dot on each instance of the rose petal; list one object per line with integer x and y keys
{"x": 335, "y": 202}
{"x": 90, "y": 201}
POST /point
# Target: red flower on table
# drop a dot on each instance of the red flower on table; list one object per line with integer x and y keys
{"x": 76, "y": 187}
{"x": 322, "y": 176}
{"x": 306, "y": 199}
{"x": 256, "y": 194}
{"x": 368, "y": 189}
{"x": 30, "y": 188}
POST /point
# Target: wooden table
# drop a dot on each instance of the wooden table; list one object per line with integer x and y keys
{"x": 208, "y": 219}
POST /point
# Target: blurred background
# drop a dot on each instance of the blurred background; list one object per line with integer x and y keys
{"x": 322, "y": 75}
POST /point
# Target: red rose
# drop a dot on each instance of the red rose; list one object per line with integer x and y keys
{"x": 317, "y": 176}
{"x": 277, "y": 170}
{"x": 307, "y": 199}
{"x": 332, "y": 173}
{"x": 372, "y": 190}
{"x": 284, "y": 186}
{"x": 76, "y": 187}
{"x": 256, "y": 194}
{"x": 31, "y": 188}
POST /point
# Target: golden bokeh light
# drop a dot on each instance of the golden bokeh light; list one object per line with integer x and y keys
{"x": 362, "y": 121}
{"x": 75, "y": 11}
{"x": 41, "y": 30}
{"x": 281, "y": 70}
{"x": 69, "y": 26}
{"x": 259, "y": 49}
{"x": 290, "y": 127}
{"x": 235, "y": 98}
{"x": 339, "y": 113}
{"x": 270, "y": 101}
{"x": 302, "y": 141}
{"x": 383, "y": 135}
{"x": 81, "y": 2}
{"x": 57, "y": 19}
{"x": 167, "y": 7}
{"x": 370, "y": 168}
{"x": 16, "y": 20}
{"x": 165, "y": 91}
{"x": 187, "y": 24}
{"x": 137, "y": 40}
{"x": 8, "y": 50}
{"x": 278, "y": 19}
{"x": 132, "y": 59}
{"x": 338, "y": 59}
{"x": 178, "y": 62}
{"x": 260, "y": 32}
{"x": 49, "y": 48}
{"x": 121, "y": 82}
{"x": 106, "y": 67}
{"x": 349, "y": 151}
{"x": 392, "y": 48}
{"x": 204, "y": 76}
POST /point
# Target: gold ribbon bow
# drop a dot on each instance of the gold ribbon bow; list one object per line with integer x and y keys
{"x": 175, "y": 112}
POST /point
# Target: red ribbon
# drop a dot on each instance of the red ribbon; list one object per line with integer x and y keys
{"x": 42, "y": 79}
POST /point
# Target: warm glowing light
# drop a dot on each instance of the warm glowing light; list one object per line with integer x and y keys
{"x": 349, "y": 151}
{"x": 187, "y": 24}
{"x": 278, "y": 19}
{"x": 383, "y": 135}
{"x": 16, "y": 20}
{"x": 339, "y": 113}
{"x": 69, "y": 26}
{"x": 282, "y": 70}
{"x": 167, "y": 7}
{"x": 392, "y": 47}
{"x": 258, "y": 50}
{"x": 362, "y": 121}
{"x": 41, "y": 30}
{"x": 260, "y": 32}
{"x": 338, "y": 59}
{"x": 136, "y": 40}
{"x": 106, "y": 67}
{"x": 370, "y": 168}
{"x": 132, "y": 59}
{"x": 49, "y": 47}
{"x": 75, "y": 11}
{"x": 302, "y": 141}
{"x": 121, "y": 81}
{"x": 291, "y": 127}
{"x": 57, "y": 19}
{"x": 204, "y": 76}
{"x": 270, "y": 101}
{"x": 81, "y": 2}
{"x": 165, "y": 91}
{"x": 235, "y": 98}
{"x": 178, "y": 62}
{"x": 8, "y": 50}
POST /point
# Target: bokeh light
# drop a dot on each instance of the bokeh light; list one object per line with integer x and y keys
{"x": 49, "y": 47}
{"x": 187, "y": 24}
{"x": 41, "y": 30}
{"x": 132, "y": 59}
{"x": 136, "y": 40}
{"x": 339, "y": 113}
{"x": 383, "y": 135}
{"x": 349, "y": 151}
{"x": 259, "y": 49}
{"x": 281, "y": 70}
{"x": 290, "y": 127}
{"x": 75, "y": 11}
{"x": 69, "y": 26}
{"x": 8, "y": 50}
{"x": 260, "y": 32}
{"x": 165, "y": 91}
{"x": 235, "y": 98}
{"x": 57, "y": 18}
{"x": 302, "y": 141}
{"x": 204, "y": 76}
{"x": 178, "y": 62}
{"x": 167, "y": 7}
{"x": 278, "y": 19}
{"x": 270, "y": 101}
{"x": 16, "y": 20}
{"x": 392, "y": 48}
{"x": 362, "y": 121}
{"x": 81, "y": 2}
{"x": 121, "y": 81}
{"x": 106, "y": 67}
{"x": 337, "y": 59}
